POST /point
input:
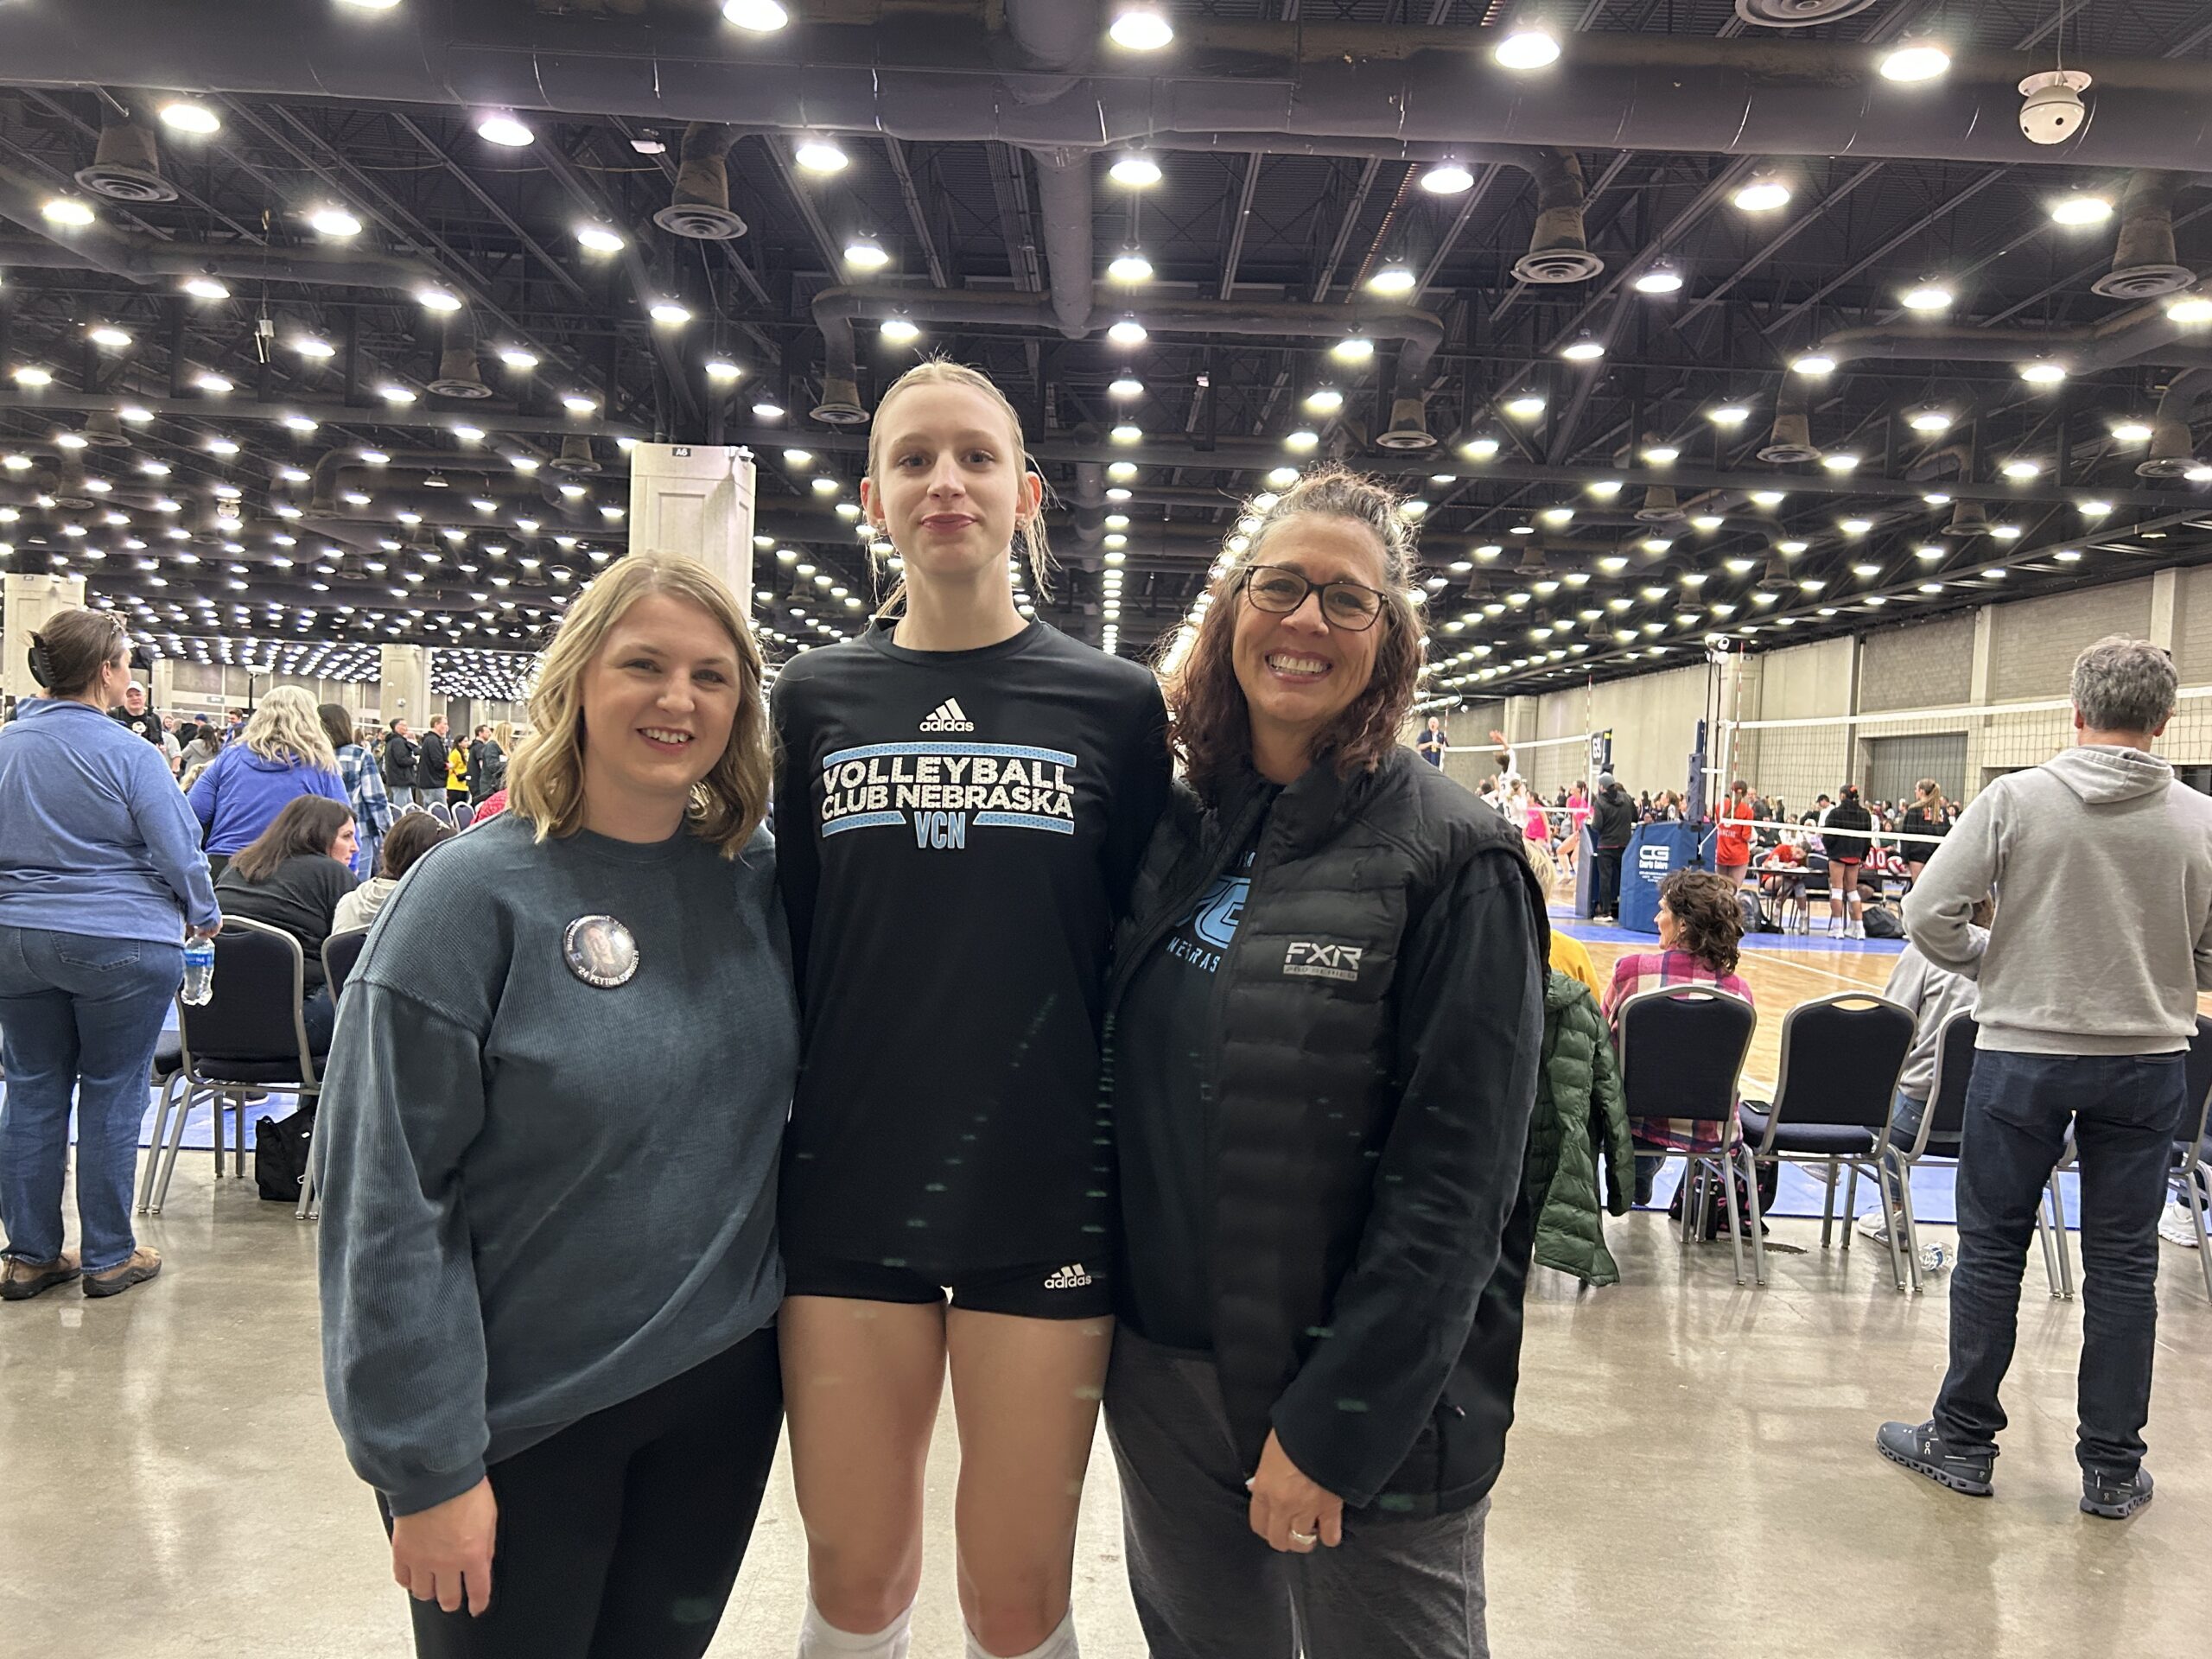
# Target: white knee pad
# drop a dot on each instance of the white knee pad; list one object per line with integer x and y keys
{"x": 819, "y": 1639}
{"x": 1060, "y": 1644}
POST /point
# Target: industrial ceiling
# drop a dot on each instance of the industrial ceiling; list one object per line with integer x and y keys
{"x": 322, "y": 321}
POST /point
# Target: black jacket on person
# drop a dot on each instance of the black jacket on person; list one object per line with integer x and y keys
{"x": 1380, "y": 1017}
{"x": 399, "y": 761}
{"x": 1613, "y": 817}
{"x": 1918, "y": 821}
{"x": 430, "y": 764}
{"x": 1842, "y": 832}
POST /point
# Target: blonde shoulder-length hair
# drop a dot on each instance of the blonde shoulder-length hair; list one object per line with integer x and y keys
{"x": 287, "y": 726}
{"x": 546, "y": 782}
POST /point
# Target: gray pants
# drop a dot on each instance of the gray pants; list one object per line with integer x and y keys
{"x": 1206, "y": 1586}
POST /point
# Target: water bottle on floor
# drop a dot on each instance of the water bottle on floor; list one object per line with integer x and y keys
{"x": 1933, "y": 1258}
{"x": 198, "y": 972}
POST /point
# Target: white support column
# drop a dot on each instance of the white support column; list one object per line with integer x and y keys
{"x": 2165, "y": 605}
{"x": 404, "y": 689}
{"x": 163, "y": 694}
{"x": 1982, "y": 674}
{"x": 28, "y": 601}
{"x": 696, "y": 501}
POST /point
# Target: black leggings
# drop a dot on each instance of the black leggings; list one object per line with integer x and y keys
{"x": 619, "y": 1537}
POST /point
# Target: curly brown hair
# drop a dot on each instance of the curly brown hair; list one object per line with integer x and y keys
{"x": 1211, "y": 733}
{"x": 1708, "y": 917}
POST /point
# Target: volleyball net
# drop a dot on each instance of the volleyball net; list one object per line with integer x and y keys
{"x": 1546, "y": 765}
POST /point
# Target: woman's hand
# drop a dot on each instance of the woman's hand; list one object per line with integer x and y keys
{"x": 443, "y": 1553}
{"x": 1289, "y": 1511}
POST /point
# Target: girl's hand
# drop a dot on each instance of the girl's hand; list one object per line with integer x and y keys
{"x": 443, "y": 1553}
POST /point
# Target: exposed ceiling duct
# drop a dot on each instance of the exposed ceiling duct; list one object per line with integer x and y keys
{"x": 1560, "y": 251}
{"x": 2173, "y": 444}
{"x": 127, "y": 164}
{"x": 458, "y": 375}
{"x": 700, "y": 206}
{"x": 1420, "y": 334}
{"x": 2143, "y": 265}
{"x": 1798, "y": 14}
{"x": 1405, "y": 82}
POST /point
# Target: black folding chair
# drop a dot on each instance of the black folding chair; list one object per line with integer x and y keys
{"x": 1683, "y": 1049}
{"x": 1941, "y": 1125}
{"x": 463, "y": 816}
{"x": 341, "y": 952}
{"x": 1840, "y": 1057}
{"x": 248, "y": 1038}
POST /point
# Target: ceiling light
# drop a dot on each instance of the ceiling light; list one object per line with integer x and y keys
{"x": 1302, "y": 440}
{"x": 2067, "y": 555}
{"x": 2082, "y": 210}
{"x": 1814, "y": 363}
{"x": 2095, "y": 509}
{"x": 506, "y": 131}
{"x": 1928, "y": 296}
{"x": 1661, "y": 278}
{"x": 1141, "y": 28}
{"x": 1604, "y": 488}
{"x": 1662, "y": 454}
{"x": 1841, "y": 462}
{"x": 1122, "y": 471}
{"x": 1769, "y": 497}
{"x": 1856, "y": 526}
{"x": 183, "y": 114}
{"x": 2022, "y": 469}
{"x": 720, "y": 368}
{"x": 1131, "y": 267}
{"x": 601, "y": 238}
{"x": 437, "y": 298}
{"x": 768, "y": 410}
{"x": 577, "y": 402}
{"x": 1584, "y": 348}
{"x": 107, "y": 335}
{"x": 669, "y": 314}
{"x": 1135, "y": 171}
{"x": 1930, "y": 420}
{"x": 1526, "y": 406}
{"x": 1128, "y": 332}
{"x": 515, "y": 358}
{"x": 759, "y": 16}
{"x": 1791, "y": 548}
{"x": 1762, "y": 195}
{"x": 2199, "y": 473}
{"x": 2132, "y": 432}
{"x": 2190, "y": 308}
{"x": 396, "y": 394}
{"x": 1357, "y": 349}
{"x": 1728, "y": 415}
{"x": 334, "y": 221}
{"x": 66, "y": 210}
{"x": 1479, "y": 448}
{"x": 375, "y": 458}
{"x": 820, "y": 155}
{"x": 1557, "y": 516}
{"x": 206, "y": 287}
{"x": 2044, "y": 374}
{"x": 825, "y": 486}
{"x": 1393, "y": 280}
{"x": 1528, "y": 46}
{"x": 1914, "y": 60}
{"x": 900, "y": 331}
{"x": 1127, "y": 433}
{"x": 299, "y": 422}
{"x": 1708, "y": 521}
{"x": 1937, "y": 499}
{"x": 1127, "y": 386}
{"x": 135, "y": 413}
{"x": 1283, "y": 477}
{"x": 866, "y": 253}
{"x": 1447, "y": 179}
{"x": 70, "y": 440}
{"x": 2007, "y": 532}
{"x": 210, "y": 381}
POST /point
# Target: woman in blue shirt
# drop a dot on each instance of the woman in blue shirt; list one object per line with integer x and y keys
{"x": 100, "y": 872}
{"x": 282, "y": 754}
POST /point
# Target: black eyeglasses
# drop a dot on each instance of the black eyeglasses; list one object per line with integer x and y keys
{"x": 1351, "y": 606}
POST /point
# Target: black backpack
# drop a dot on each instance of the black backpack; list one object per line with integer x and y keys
{"x": 1883, "y": 923}
{"x": 280, "y": 1154}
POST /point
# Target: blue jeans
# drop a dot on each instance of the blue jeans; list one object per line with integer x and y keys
{"x": 81, "y": 1015}
{"x": 2123, "y": 1109}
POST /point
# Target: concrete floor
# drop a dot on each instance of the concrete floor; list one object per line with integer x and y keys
{"x": 1692, "y": 1475}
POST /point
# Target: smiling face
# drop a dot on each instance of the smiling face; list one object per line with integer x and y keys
{"x": 658, "y": 701}
{"x": 1298, "y": 672}
{"x": 948, "y": 485}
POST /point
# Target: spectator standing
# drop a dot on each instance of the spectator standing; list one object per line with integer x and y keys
{"x": 1433, "y": 745}
{"x": 283, "y": 754}
{"x": 430, "y": 764}
{"x": 1846, "y": 835}
{"x": 200, "y": 748}
{"x": 1926, "y": 817}
{"x": 2088, "y": 978}
{"x": 1578, "y": 815}
{"x": 456, "y": 774}
{"x": 133, "y": 712}
{"x": 1732, "y": 845}
{"x": 100, "y": 879}
{"x": 398, "y": 756}
{"x": 364, "y": 787}
{"x": 292, "y": 876}
{"x": 411, "y": 837}
{"x": 488, "y": 764}
{"x": 1700, "y": 926}
{"x": 1613, "y": 823}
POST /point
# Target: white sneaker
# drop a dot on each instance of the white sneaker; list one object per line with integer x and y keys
{"x": 1872, "y": 1225}
{"x": 2176, "y": 1228}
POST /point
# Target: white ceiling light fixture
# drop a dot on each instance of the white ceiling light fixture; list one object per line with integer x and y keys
{"x": 866, "y": 253}
{"x": 188, "y": 116}
{"x": 1927, "y": 295}
{"x": 2021, "y": 469}
{"x": 1393, "y": 280}
{"x": 1527, "y": 45}
{"x": 32, "y": 376}
{"x": 2043, "y": 374}
{"x": 1841, "y": 461}
{"x": 669, "y": 314}
{"x": 756, "y": 16}
{"x": 395, "y": 394}
{"x": 1358, "y": 348}
{"x": 107, "y": 335}
{"x": 1324, "y": 400}
{"x": 66, "y": 211}
{"x": 577, "y": 402}
{"x": 1930, "y": 420}
{"x": 206, "y": 287}
{"x": 1661, "y": 278}
{"x": 601, "y": 238}
{"x": 2080, "y": 210}
{"x": 518, "y": 359}
{"x": 1526, "y": 407}
{"x": 333, "y": 220}
{"x": 433, "y": 298}
{"x": 1728, "y": 415}
{"x": 900, "y": 331}
{"x": 1141, "y": 28}
{"x": 2190, "y": 309}
{"x": 1130, "y": 267}
{"x": 1913, "y": 60}
{"x": 1447, "y": 179}
{"x": 212, "y": 382}
{"x": 1138, "y": 171}
{"x": 720, "y": 368}
{"x": 1762, "y": 195}
{"x": 505, "y": 131}
{"x": 1126, "y": 386}
{"x": 1584, "y": 348}
{"x": 1128, "y": 332}
{"x": 1814, "y": 363}
{"x": 2094, "y": 509}
{"x": 820, "y": 155}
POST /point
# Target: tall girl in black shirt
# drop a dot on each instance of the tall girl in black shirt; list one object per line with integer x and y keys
{"x": 961, "y": 800}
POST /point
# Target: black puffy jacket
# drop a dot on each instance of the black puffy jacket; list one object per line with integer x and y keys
{"x": 1613, "y": 817}
{"x": 1380, "y": 1018}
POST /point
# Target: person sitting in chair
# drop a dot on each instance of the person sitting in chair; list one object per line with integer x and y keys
{"x": 292, "y": 876}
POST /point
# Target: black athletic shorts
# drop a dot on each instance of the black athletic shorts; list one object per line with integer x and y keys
{"x": 1068, "y": 1291}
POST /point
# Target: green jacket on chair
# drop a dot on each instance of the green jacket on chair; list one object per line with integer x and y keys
{"x": 1579, "y": 1110}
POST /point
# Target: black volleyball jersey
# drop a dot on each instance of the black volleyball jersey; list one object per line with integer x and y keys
{"x": 956, "y": 832}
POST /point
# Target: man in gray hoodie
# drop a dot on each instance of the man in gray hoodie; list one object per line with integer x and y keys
{"x": 2088, "y": 980}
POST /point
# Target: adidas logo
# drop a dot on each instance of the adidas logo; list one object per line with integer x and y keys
{"x": 1072, "y": 1277}
{"x": 948, "y": 717}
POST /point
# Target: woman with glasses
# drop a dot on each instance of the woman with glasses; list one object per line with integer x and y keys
{"x": 100, "y": 875}
{"x": 1324, "y": 1019}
